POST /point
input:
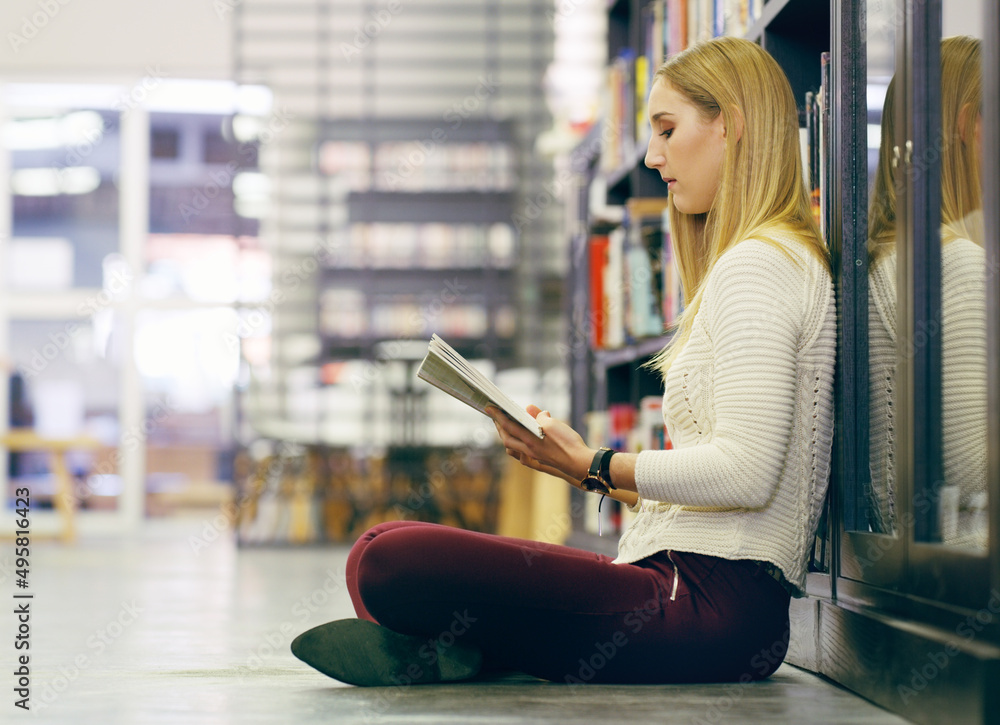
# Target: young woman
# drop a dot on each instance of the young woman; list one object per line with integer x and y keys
{"x": 725, "y": 521}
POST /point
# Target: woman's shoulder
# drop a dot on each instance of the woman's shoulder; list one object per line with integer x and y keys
{"x": 780, "y": 256}
{"x": 777, "y": 276}
{"x": 962, "y": 251}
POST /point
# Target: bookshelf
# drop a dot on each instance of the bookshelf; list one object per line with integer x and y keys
{"x": 619, "y": 205}
{"x": 879, "y": 606}
{"x": 427, "y": 245}
{"x": 423, "y": 133}
{"x": 419, "y": 240}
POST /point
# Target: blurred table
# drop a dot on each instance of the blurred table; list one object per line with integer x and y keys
{"x": 25, "y": 439}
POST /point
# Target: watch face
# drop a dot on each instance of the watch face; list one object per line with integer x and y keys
{"x": 593, "y": 483}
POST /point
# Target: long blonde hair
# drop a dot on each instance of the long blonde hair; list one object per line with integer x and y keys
{"x": 761, "y": 191}
{"x": 882, "y": 207}
{"x": 961, "y": 182}
{"x": 961, "y": 102}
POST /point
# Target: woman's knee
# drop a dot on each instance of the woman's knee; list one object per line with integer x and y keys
{"x": 384, "y": 558}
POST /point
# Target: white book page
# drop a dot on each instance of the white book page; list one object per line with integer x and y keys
{"x": 446, "y": 369}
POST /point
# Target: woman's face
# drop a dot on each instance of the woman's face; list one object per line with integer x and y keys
{"x": 685, "y": 149}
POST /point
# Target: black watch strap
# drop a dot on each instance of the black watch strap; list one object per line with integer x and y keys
{"x": 600, "y": 467}
{"x": 606, "y": 467}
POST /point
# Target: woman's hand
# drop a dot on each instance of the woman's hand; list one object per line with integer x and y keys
{"x": 561, "y": 453}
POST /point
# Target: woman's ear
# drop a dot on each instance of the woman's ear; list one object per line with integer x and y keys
{"x": 737, "y": 123}
{"x": 963, "y": 122}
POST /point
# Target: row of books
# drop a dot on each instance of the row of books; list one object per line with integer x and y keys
{"x": 669, "y": 26}
{"x": 440, "y": 245}
{"x": 634, "y": 283}
{"x": 351, "y": 314}
{"x": 624, "y": 428}
{"x": 419, "y": 166}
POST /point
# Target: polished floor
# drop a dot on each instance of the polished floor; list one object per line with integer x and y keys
{"x": 178, "y": 626}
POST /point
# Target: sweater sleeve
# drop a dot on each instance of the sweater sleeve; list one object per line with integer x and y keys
{"x": 754, "y": 309}
{"x": 964, "y": 412}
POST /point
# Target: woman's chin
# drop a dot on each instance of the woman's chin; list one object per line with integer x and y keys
{"x": 685, "y": 208}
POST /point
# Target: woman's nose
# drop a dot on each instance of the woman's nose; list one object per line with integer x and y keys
{"x": 654, "y": 157}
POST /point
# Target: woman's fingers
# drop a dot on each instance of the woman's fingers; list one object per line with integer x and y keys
{"x": 525, "y": 447}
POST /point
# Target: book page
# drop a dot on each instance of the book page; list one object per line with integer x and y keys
{"x": 444, "y": 368}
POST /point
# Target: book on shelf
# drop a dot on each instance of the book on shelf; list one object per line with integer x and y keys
{"x": 596, "y": 262}
{"x": 673, "y": 291}
{"x": 825, "y": 142}
{"x": 634, "y": 283}
{"x": 419, "y": 165}
{"x": 620, "y": 128}
{"x": 427, "y": 245}
{"x": 628, "y": 428}
{"x": 349, "y": 313}
{"x": 444, "y": 368}
{"x": 668, "y": 27}
{"x": 675, "y": 17}
{"x": 816, "y": 146}
{"x": 615, "y": 281}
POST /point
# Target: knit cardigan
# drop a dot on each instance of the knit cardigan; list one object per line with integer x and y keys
{"x": 749, "y": 410}
{"x": 964, "y": 412}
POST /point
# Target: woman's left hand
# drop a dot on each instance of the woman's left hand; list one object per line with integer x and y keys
{"x": 561, "y": 453}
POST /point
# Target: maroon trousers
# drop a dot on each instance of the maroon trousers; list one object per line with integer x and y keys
{"x": 568, "y": 615}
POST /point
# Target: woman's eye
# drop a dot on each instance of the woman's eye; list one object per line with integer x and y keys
{"x": 667, "y": 133}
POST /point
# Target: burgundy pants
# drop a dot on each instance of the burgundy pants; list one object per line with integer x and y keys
{"x": 568, "y": 615}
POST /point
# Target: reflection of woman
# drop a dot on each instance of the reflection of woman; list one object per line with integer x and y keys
{"x": 700, "y": 589}
{"x": 963, "y": 310}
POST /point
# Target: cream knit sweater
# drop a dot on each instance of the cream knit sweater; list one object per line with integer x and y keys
{"x": 964, "y": 412}
{"x": 749, "y": 409}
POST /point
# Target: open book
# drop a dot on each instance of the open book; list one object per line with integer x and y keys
{"x": 444, "y": 368}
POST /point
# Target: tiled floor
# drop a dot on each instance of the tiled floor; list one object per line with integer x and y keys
{"x": 174, "y": 628}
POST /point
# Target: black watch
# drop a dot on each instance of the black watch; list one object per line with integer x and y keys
{"x": 598, "y": 478}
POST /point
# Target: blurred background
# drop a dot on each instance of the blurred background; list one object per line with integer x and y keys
{"x": 228, "y": 228}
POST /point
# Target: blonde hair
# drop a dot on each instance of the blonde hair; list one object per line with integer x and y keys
{"x": 961, "y": 102}
{"x": 961, "y": 183}
{"x": 761, "y": 191}
{"x": 882, "y": 207}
